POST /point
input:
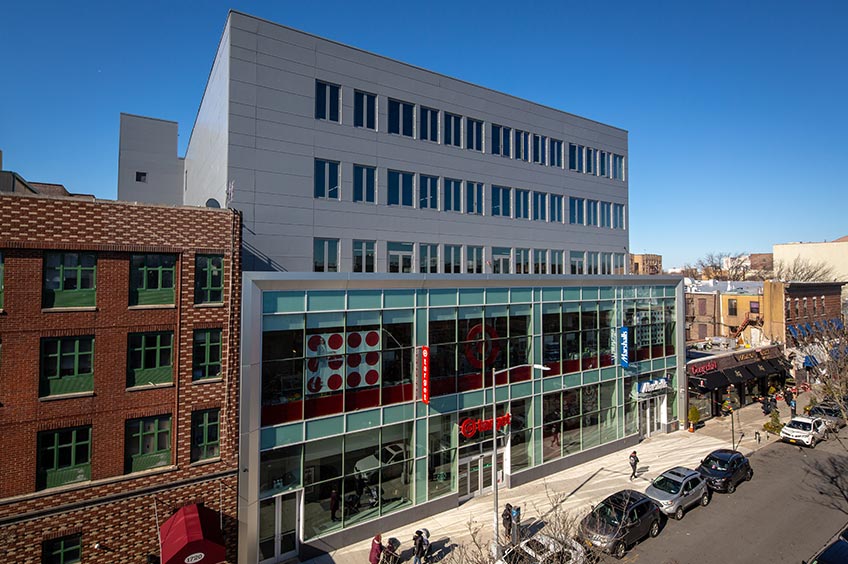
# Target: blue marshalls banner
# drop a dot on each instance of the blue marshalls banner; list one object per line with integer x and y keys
{"x": 623, "y": 347}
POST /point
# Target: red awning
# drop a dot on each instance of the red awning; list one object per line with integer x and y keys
{"x": 192, "y": 535}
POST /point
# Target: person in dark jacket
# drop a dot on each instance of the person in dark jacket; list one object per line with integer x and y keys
{"x": 376, "y": 549}
{"x": 506, "y": 517}
{"x": 634, "y": 463}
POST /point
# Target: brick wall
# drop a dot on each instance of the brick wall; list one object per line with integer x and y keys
{"x": 113, "y": 230}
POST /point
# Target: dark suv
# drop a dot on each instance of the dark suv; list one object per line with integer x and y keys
{"x": 620, "y": 521}
{"x": 723, "y": 469}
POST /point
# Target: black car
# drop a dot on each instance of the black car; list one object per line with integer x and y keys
{"x": 724, "y": 469}
{"x": 834, "y": 553}
{"x": 620, "y": 521}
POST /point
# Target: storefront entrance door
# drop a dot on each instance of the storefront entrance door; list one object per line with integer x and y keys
{"x": 475, "y": 475}
{"x": 650, "y": 416}
{"x": 278, "y": 518}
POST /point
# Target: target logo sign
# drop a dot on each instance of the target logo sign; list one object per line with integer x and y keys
{"x": 425, "y": 374}
{"x": 482, "y": 349}
{"x": 338, "y": 360}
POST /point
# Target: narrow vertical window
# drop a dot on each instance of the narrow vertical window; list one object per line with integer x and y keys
{"x": 555, "y": 153}
{"x": 364, "y": 184}
{"x": 453, "y": 130}
{"x": 474, "y": 260}
{"x": 540, "y": 205}
{"x": 501, "y": 201}
{"x": 326, "y": 255}
{"x": 205, "y": 435}
{"x": 474, "y": 198}
{"x": 576, "y": 211}
{"x": 401, "y": 118}
{"x": 556, "y": 208}
{"x": 208, "y": 279}
{"x": 577, "y": 259}
{"x": 400, "y": 188}
{"x": 474, "y": 134}
{"x": 326, "y": 179}
{"x": 326, "y": 101}
{"x": 428, "y": 192}
{"x": 453, "y": 259}
{"x": 452, "y": 195}
{"x": 522, "y": 145}
{"x": 572, "y": 156}
{"x": 592, "y": 212}
{"x": 606, "y": 214}
{"x": 522, "y": 204}
{"x": 428, "y": 258}
{"x": 540, "y": 149}
{"x": 206, "y": 354}
{"x": 428, "y": 124}
{"x": 539, "y": 262}
{"x": 363, "y": 256}
{"x": 364, "y": 110}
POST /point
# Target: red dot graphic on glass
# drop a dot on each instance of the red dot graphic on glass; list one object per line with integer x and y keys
{"x": 372, "y": 358}
{"x": 354, "y": 340}
{"x": 335, "y": 381}
{"x": 336, "y": 341}
{"x": 372, "y": 338}
{"x": 354, "y": 379}
{"x": 312, "y": 364}
{"x": 371, "y": 377}
{"x": 335, "y": 363}
{"x": 315, "y": 342}
{"x": 353, "y": 360}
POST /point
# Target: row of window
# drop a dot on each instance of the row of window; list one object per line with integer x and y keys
{"x": 67, "y": 363}
{"x": 801, "y": 310}
{"x": 435, "y": 126}
{"x": 458, "y": 259}
{"x": 70, "y": 279}
{"x": 64, "y": 455}
{"x": 464, "y": 196}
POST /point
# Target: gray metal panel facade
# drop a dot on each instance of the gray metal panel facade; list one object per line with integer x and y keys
{"x": 274, "y": 139}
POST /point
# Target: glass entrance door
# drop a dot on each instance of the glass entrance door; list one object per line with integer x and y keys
{"x": 278, "y": 518}
{"x": 650, "y": 416}
{"x": 475, "y": 475}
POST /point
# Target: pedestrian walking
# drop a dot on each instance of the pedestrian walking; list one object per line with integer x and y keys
{"x": 376, "y": 549}
{"x": 420, "y": 547}
{"x": 634, "y": 464}
{"x": 792, "y": 407}
{"x": 555, "y": 434}
{"x": 334, "y": 504}
{"x": 506, "y": 517}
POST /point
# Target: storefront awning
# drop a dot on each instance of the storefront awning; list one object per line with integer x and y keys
{"x": 192, "y": 534}
{"x": 810, "y": 361}
{"x": 780, "y": 364}
{"x": 709, "y": 381}
{"x": 737, "y": 374}
{"x": 761, "y": 368}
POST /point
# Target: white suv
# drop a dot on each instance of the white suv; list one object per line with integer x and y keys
{"x": 805, "y": 430}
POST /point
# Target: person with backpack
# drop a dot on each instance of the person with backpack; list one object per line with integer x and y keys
{"x": 506, "y": 518}
{"x": 421, "y": 546}
{"x": 634, "y": 463}
{"x": 376, "y": 549}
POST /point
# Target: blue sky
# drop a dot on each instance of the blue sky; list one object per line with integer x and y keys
{"x": 736, "y": 110}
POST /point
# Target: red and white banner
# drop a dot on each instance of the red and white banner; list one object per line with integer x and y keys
{"x": 328, "y": 369}
{"x": 425, "y": 374}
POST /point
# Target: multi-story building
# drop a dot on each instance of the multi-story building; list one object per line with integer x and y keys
{"x": 646, "y": 264}
{"x": 830, "y": 253}
{"x": 412, "y": 215}
{"x": 119, "y": 327}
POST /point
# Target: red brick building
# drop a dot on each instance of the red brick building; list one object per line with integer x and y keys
{"x": 119, "y": 327}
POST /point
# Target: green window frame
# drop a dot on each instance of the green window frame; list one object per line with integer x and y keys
{"x": 150, "y": 358}
{"x": 67, "y": 365}
{"x": 205, "y": 435}
{"x": 148, "y": 443}
{"x": 152, "y": 279}
{"x": 70, "y": 280}
{"x": 64, "y": 550}
{"x": 64, "y": 457}
{"x": 209, "y": 279}
{"x": 206, "y": 361}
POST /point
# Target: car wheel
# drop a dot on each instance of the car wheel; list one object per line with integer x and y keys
{"x": 749, "y": 475}
{"x": 813, "y": 443}
{"x": 619, "y": 550}
{"x": 655, "y": 529}
{"x": 705, "y": 499}
{"x": 679, "y": 513}
{"x": 731, "y": 487}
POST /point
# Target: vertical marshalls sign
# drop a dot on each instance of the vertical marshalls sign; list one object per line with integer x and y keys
{"x": 425, "y": 374}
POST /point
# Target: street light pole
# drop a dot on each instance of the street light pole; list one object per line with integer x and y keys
{"x": 496, "y": 546}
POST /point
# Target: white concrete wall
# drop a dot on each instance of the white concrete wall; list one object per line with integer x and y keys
{"x": 834, "y": 254}
{"x": 274, "y": 139}
{"x": 149, "y": 145}
{"x": 207, "y": 153}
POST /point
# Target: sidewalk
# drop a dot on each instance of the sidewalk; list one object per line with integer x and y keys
{"x": 585, "y": 484}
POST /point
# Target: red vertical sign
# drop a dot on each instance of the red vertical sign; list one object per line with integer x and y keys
{"x": 425, "y": 374}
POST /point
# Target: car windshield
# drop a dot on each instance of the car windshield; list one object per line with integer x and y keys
{"x": 715, "y": 463}
{"x": 608, "y": 514}
{"x": 800, "y": 425}
{"x": 667, "y": 485}
{"x": 519, "y": 556}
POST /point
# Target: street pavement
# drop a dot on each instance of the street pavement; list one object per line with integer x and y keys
{"x": 585, "y": 484}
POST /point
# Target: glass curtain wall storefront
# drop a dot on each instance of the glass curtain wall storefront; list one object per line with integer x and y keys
{"x": 339, "y": 419}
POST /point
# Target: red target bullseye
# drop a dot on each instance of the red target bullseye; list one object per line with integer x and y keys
{"x": 372, "y": 377}
{"x": 334, "y": 382}
{"x": 354, "y": 340}
{"x": 354, "y": 379}
{"x": 353, "y": 360}
{"x": 335, "y": 341}
{"x": 372, "y": 338}
{"x": 372, "y": 358}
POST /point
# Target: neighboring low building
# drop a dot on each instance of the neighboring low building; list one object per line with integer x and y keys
{"x": 119, "y": 384}
{"x": 646, "y": 264}
{"x": 831, "y": 253}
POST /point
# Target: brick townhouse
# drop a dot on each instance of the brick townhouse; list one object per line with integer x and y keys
{"x": 119, "y": 337}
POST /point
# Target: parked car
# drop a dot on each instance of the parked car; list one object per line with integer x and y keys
{"x": 831, "y": 413}
{"x": 369, "y": 467}
{"x": 620, "y": 521}
{"x": 724, "y": 469}
{"x": 677, "y": 490}
{"x": 542, "y": 549}
{"x": 834, "y": 553}
{"x": 805, "y": 430}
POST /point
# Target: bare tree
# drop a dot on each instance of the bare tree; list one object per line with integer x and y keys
{"x": 690, "y": 271}
{"x": 711, "y": 266}
{"x": 803, "y": 270}
{"x": 829, "y": 348}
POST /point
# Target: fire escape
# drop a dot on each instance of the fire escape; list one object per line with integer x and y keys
{"x": 750, "y": 319}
